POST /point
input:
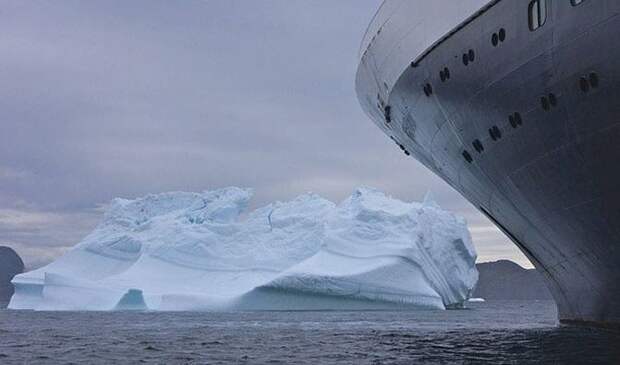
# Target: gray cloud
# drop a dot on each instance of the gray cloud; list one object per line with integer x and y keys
{"x": 115, "y": 98}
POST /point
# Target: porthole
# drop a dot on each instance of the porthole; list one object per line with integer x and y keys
{"x": 469, "y": 57}
{"x": 407, "y": 153}
{"x": 467, "y": 157}
{"x": 492, "y": 134}
{"x": 549, "y": 101}
{"x": 513, "y": 122}
{"x": 518, "y": 118}
{"x": 444, "y": 75}
{"x": 576, "y": 2}
{"x": 387, "y": 113}
{"x": 498, "y": 38}
{"x": 478, "y": 146}
{"x": 594, "y": 81}
{"x": 428, "y": 90}
{"x": 497, "y": 132}
{"x": 584, "y": 84}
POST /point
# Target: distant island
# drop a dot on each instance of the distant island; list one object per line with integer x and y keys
{"x": 10, "y": 265}
{"x": 505, "y": 280}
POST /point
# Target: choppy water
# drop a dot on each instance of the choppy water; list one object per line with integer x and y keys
{"x": 492, "y": 332}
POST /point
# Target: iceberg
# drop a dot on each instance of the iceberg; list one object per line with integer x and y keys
{"x": 204, "y": 251}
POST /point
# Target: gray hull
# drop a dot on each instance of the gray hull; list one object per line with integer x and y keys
{"x": 526, "y": 125}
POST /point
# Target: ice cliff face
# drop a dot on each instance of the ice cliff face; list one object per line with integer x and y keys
{"x": 193, "y": 251}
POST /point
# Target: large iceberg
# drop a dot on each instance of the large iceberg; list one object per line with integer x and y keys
{"x": 202, "y": 251}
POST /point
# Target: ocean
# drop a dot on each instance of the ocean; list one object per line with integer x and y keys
{"x": 498, "y": 332}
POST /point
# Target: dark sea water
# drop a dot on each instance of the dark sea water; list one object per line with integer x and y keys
{"x": 492, "y": 332}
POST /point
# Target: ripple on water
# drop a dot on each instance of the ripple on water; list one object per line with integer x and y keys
{"x": 494, "y": 333}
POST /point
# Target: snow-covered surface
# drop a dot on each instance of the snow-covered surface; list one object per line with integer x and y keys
{"x": 195, "y": 251}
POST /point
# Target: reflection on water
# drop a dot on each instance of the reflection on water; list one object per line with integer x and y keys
{"x": 492, "y": 332}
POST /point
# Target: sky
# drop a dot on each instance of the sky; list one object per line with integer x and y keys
{"x": 105, "y": 99}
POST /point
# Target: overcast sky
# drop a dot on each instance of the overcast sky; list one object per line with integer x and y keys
{"x": 100, "y": 99}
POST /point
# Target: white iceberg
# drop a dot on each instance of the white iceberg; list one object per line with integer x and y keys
{"x": 199, "y": 251}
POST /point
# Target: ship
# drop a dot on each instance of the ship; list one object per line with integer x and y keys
{"x": 515, "y": 104}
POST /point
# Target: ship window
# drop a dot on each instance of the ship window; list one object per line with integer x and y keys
{"x": 495, "y": 133}
{"x": 545, "y": 103}
{"x": 469, "y": 57}
{"x": 387, "y": 113}
{"x": 594, "y": 79}
{"x": 537, "y": 14}
{"x": 496, "y": 38}
{"x": 478, "y": 146}
{"x": 444, "y": 74}
{"x": 512, "y": 121}
{"x": 515, "y": 120}
{"x": 518, "y": 118}
{"x": 576, "y": 2}
{"x": 428, "y": 89}
{"x": 584, "y": 84}
{"x": 468, "y": 157}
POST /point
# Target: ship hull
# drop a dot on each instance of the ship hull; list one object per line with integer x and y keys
{"x": 526, "y": 125}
